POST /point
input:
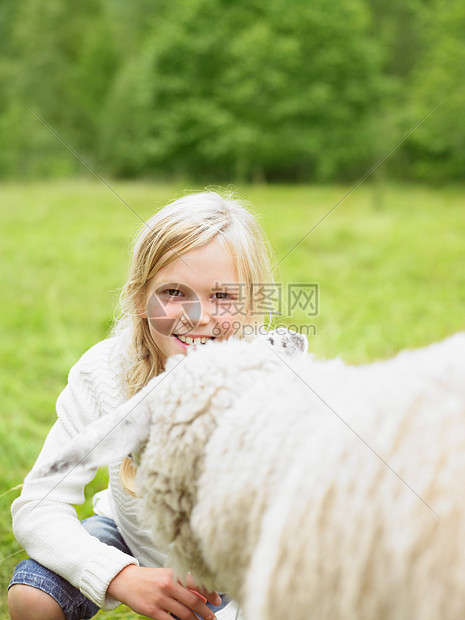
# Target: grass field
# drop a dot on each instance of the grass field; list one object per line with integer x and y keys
{"x": 389, "y": 277}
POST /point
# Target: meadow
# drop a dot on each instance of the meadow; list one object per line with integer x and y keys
{"x": 390, "y": 274}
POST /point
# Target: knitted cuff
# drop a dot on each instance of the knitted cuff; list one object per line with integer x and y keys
{"x": 99, "y": 572}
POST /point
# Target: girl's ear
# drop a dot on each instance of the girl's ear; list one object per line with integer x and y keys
{"x": 142, "y": 302}
{"x": 142, "y": 307}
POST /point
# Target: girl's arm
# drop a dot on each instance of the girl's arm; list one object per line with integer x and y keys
{"x": 45, "y": 522}
{"x": 46, "y": 525}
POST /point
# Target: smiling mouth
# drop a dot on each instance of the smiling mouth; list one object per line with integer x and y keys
{"x": 187, "y": 340}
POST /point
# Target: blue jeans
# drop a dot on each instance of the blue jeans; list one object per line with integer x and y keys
{"x": 74, "y": 604}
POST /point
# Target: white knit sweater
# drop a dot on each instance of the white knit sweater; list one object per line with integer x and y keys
{"x": 44, "y": 520}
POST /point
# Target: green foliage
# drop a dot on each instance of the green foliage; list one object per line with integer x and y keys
{"x": 203, "y": 87}
{"x": 398, "y": 24}
{"x": 227, "y": 88}
{"x": 440, "y": 143}
{"x": 59, "y": 66}
{"x": 243, "y": 90}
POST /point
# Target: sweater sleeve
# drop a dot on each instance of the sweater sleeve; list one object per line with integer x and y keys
{"x": 45, "y": 522}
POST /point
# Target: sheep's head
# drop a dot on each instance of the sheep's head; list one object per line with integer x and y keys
{"x": 187, "y": 407}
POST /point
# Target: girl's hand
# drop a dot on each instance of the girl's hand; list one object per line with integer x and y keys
{"x": 152, "y": 592}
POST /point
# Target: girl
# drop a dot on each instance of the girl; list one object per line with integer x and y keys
{"x": 191, "y": 279}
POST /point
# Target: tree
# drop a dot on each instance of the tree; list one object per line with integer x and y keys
{"x": 60, "y": 63}
{"x": 248, "y": 89}
{"x": 439, "y": 144}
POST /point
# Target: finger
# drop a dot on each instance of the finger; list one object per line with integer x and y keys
{"x": 212, "y": 597}
{"x": 163, "y": 615}
{"x": 192, "y": 601}
{"x": 201, "y": 596}
{"x": 179, "y": 610}
{"x": 186, "y": 612}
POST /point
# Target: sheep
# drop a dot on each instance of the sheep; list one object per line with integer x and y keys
{"x": 305, "y": 488}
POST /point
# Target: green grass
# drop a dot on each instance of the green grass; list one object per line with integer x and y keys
{"x": 389, "y": 277}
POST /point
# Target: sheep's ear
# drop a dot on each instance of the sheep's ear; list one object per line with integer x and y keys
{"x": 285, "y": 341}
{"x": 106, "y": 440}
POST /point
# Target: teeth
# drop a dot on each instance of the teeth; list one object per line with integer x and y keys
{"x": 189, "y": 340}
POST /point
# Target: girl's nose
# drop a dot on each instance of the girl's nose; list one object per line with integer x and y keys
{"x": 206, "y": 310}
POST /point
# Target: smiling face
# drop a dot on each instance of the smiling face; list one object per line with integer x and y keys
{"x": 197, "y": 296}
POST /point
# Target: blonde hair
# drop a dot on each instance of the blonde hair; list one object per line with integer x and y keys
{"x": 186, "y": 224}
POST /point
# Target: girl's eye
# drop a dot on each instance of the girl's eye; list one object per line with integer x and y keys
{"x": 173, "y": 292}
{"x": 222, "y": 296}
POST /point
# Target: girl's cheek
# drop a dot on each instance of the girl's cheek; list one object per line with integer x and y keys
{"x": 172, "y": 311}
{"x": 162, "y": 317}
{"x": 231, "y": 326}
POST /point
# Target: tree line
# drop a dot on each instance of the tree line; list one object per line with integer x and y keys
{"x": 243, "y": 90}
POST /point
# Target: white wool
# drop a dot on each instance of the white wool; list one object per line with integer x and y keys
{"x": 304, "y": 489}
{"x": 312, "y": 489}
